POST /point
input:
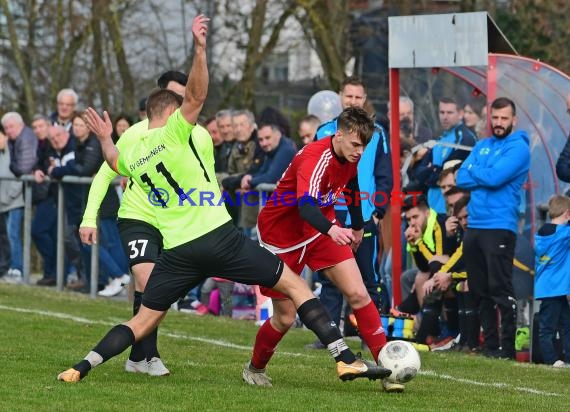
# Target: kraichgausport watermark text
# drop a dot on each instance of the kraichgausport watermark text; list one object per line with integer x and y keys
{"x": 344, "y": 197}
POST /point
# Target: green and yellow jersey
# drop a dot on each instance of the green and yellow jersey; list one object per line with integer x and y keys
{"x": 134, "y": 203}
{"x": 174, "y": 167}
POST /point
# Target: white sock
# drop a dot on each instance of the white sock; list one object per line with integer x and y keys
{"x": 94, "y": 359}
{"x": 335, "y": 348}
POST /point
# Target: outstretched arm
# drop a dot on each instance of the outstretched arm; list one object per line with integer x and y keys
{"x": 103, "y": 127}
{"x": 197, "y": 87}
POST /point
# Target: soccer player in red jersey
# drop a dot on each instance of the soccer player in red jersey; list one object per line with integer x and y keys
{"x": 298, "y": 224}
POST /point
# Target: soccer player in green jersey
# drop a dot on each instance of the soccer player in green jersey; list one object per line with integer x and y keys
{"x": 175, "y": 163}
{"x": 141, "y": 239}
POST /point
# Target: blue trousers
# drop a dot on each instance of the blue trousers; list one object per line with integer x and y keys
{"x": 554, "y": 316}
{"x": 112, "y": 259}
{"x": 14, "y": 228}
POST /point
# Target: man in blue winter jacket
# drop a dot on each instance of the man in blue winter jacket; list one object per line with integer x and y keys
{"x": 494, "y": 172}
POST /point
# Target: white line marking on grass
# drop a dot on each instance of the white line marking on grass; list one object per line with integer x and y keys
{"x": 493, "y": 384}
{"x": 78, "y": 319}
{"x": 217, "y": 342}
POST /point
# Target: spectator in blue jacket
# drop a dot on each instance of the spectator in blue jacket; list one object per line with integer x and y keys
{"x": 552, "y": 280}
{"x": 279, "y": 151}
{"x": 494, "y": 172}
{"x": 563, "y": 164}
{"x": 375, "y": 182}
{"x": 431, "y": 165}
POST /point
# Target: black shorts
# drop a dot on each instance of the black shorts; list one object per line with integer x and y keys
{"x": 224, "y": 252}
{"x": 142, "y": 242}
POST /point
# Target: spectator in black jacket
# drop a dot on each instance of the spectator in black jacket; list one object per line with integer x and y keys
{"x": 61, "y": 156}
{"x": 112, "y": 259}
{"x": 563, "y": 164}
{"x": 45, "y": 208}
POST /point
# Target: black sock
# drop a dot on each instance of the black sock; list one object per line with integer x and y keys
{"x": 462, "y": 318}
{"x": 137, "y": 350}
{"x": 314, "y": 315}
{"x": 115, "y": 341}
{"x": 148, "y": 344}
{"x": 430, "y": 321}
{"x": 472, "y": 321}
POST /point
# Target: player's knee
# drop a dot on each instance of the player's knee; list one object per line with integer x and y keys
{"x": 283, "y": 322}
{"x": 144, "y": 322}
{"x": 358, "y": 298}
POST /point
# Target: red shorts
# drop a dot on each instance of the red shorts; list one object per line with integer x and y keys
{"x": 320, "y": 254}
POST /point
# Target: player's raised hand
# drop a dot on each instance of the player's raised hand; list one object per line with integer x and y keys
{"x": 102, "y": 127}
{"x": 199, "y": 29}
{"x": 341, "y": 236}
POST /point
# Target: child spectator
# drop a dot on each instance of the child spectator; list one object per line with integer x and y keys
{"x": 552, "y": 280}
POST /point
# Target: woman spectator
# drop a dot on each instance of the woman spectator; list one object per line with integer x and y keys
{"x": 122, "y": 122}
{"x": 473, "y": 116}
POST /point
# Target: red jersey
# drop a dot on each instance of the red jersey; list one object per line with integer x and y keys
{"x": 315, "y": 171}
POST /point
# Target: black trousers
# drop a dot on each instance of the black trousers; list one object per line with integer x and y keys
{"x": 488, "y": 255}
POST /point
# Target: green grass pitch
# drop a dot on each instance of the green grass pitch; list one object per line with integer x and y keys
{"x": 44, "y": 332}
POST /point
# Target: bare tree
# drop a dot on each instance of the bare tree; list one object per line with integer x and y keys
{"x": 262, "y": 36}
{"x": 22, "y": 63}
{"x": 326, "y": 25}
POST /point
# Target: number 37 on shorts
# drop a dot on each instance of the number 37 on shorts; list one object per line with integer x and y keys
{"x": 137, "y": 248}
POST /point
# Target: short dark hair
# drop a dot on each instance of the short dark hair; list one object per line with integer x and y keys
{"x": 502, "y": 102}
{"x": 356, "y": 120}
{"x": 172, "y": 76}
{"x": 451, "y": 100}
{"x": 159, "y": 100}
{"x": 142, "y": 105}
{"x": 273, "y": 126}
{"x": 443, "y": 174}
{"x": 412, "y": 201}
{"x": 353, "y": 81}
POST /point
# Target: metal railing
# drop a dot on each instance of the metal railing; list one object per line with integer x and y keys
{"x": 27, "y": 180}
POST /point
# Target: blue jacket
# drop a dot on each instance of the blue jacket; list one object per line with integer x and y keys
{"x": 374, "y": 171}
{"x": 275, "y": 163}
{"x": 430, "y": 167}
{"x": 494, "y": 172}
{"x": 552, "y": 267}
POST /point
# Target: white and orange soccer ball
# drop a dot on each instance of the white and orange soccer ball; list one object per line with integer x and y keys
{"x": 402, "y": 359}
